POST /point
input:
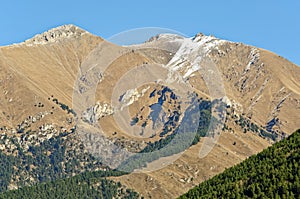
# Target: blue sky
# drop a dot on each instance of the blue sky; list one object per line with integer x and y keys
{"x": 270, "y": 24}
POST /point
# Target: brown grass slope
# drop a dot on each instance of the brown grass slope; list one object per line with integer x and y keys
{"x": 31, "y": 72}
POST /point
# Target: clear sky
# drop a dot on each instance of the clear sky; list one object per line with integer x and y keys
{"x": 270, "y": 24}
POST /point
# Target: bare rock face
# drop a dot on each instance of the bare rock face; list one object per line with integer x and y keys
{"x": 132, "y": 95}
{"x": 94, "y": 113}
{"x": 55, "y": 34}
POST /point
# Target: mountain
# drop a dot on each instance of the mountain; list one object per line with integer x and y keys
{"x": 74, "y": 103}
{"x": 273, "y": 173}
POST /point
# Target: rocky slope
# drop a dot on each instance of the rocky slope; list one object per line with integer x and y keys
{"x": 67, "y": 77}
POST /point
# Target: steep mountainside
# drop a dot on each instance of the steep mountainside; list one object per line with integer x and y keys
{"x": 72, "y": 102}
{"x": 273, "y": 173}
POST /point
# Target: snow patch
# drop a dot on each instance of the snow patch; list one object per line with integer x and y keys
{"x": 254, "y": 57}
{"x": 188, "y": 57}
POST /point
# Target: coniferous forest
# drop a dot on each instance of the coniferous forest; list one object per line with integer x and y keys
{"x": 273, "y": 173}
{"x": 85, "y": 185}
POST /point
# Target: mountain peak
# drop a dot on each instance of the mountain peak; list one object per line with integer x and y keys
{"x": 55, "y": 34}
{"x": 201, "y": 37}
{"x": 164, "y": 36}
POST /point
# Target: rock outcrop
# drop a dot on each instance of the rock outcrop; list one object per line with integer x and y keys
{"x": 56, "y": 34}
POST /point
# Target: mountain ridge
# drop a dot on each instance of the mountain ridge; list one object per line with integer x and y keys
{"x": 37, "y": 82}
{"x": 67, "y": 30}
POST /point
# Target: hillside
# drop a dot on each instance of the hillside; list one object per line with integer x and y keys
{"x": 73, "y": 103}
{"x": 273, "y": 173}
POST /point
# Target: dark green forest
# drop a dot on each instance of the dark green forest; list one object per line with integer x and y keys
{"x": 40, "y": 165}
{"x": 273, "y": 173}
{"x": 54, "y": 180}
{"x": 85, "y": 185}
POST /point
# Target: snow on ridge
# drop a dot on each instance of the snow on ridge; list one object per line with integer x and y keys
{"x": 202, "y": 39}
{"x": 191, "y": 52}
